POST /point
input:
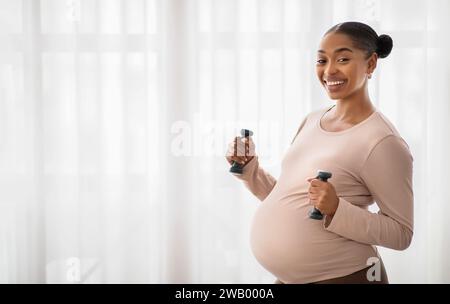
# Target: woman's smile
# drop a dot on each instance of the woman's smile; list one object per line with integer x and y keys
{"x": 335, "y": 86}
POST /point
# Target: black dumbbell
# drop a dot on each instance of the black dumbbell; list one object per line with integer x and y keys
{"x": 236, "y": 167}
{"x": 314, "y": 213}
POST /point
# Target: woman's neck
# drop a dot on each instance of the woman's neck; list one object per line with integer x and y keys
{"x": 353, "y": 109}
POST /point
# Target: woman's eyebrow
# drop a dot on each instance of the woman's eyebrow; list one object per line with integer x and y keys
{"x": 337, "y": 50}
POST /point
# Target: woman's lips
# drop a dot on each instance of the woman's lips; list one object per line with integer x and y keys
{"x": 335, "y": 88}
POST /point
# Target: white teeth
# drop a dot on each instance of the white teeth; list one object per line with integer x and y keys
{"x": 334, "y": 83}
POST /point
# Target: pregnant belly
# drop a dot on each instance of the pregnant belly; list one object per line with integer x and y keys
{"x": 294, "y": 247}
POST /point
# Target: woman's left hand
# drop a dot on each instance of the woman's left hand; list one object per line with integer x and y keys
{"x": 323, "y": 196}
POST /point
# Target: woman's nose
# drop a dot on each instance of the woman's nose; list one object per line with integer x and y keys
{"x": 330, "y": 69}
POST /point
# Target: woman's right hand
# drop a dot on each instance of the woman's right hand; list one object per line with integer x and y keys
{"x": 240, "y": 150}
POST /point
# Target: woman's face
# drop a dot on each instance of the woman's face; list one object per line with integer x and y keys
{"x": 341, "y": 68}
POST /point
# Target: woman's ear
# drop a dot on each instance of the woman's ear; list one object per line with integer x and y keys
{"x": 372, "y": 63}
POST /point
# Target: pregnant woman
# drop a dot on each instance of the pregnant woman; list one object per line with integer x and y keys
{"x": 369, "y": 161}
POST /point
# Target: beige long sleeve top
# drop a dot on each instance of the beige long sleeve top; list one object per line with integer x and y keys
{"x": 370, "y": 162}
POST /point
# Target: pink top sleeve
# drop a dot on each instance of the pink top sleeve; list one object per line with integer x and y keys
{"x": 387, "y": 173}
{"x": 256, "y": 179}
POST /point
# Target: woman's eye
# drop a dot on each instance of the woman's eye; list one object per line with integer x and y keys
{"x": 321, "y": 61}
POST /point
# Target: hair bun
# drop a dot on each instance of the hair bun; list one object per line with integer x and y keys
{"x": 384, "y": 45}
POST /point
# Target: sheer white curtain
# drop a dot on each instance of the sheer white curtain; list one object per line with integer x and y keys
{"x": 115, "y": 115}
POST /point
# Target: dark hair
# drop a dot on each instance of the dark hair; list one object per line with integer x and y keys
{"x": 364, "y": 38}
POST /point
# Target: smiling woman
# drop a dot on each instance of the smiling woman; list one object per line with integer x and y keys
{"x": 362, "y": 148}
{"x": 348, "y": 57}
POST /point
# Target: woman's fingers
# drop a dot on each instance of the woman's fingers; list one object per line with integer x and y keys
{"x": 238, "y": 159}
{"x": 247, "y": 141}
{"x": 240, "y": 150}
{"x": 231, "y": 152}
{"x": 230, "y": 159}
{"x": 313, "y": 196}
